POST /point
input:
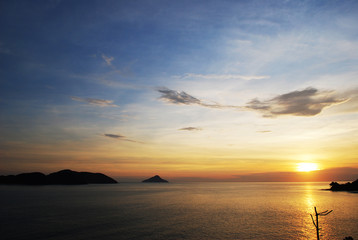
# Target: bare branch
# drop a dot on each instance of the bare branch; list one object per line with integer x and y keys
{"x": 325, "y": 213}
{"x": 313, "y": 221}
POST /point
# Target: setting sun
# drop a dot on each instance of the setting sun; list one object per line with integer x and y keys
{"x": 307, "y": 167}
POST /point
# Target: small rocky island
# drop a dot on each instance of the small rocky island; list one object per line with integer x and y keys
{"x": 155, "y": 179}
{"x": 63, "y": 177}
{"x": 349, "y": 186}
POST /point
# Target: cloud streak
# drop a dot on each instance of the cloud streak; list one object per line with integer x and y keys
{"x": 225, "y": 76}
{"x": 190, "y": 129}
{"x": 183, "y": 98}
{"x": 307, "y": 102}
{"x": 119, "y": 137}
{"x": 264, "y": 131}
{"x": 175, "y": 97}
{"x": 108, "y": 60}
{"x": 95, "y": 101}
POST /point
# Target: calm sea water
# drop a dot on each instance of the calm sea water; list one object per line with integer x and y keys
{"x": 175, "y": 211}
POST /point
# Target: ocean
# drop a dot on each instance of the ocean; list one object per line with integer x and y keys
{"x": 176, "y": 211}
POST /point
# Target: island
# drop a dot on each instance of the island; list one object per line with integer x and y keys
{"x": 155, "y": 179}
{"x": 349, "y": 186}
{"x": 63, "y": 177}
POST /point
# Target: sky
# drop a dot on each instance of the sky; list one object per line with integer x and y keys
{"x": 215, "y": 90}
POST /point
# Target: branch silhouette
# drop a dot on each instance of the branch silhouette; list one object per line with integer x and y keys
{"x": 315, "y": 223}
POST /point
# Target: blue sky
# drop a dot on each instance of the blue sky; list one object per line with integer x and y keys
{"x": 180, "y": 87}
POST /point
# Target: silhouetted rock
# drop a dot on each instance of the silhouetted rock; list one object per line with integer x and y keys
{"x": 63, "y": 177}
{"x": 66, "y": 177}
{"x": 96, "y": 178}
{"x": 156, "y": 179}
{"x": 10, "y": 179}
{"x": 35, "y": 178}
{"x": 349, "y": 186}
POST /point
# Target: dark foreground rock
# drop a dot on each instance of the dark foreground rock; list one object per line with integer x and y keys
{"x": 349, "y": 186}
{"x": 63, "y": 177}
{"x": 156, "y": 179}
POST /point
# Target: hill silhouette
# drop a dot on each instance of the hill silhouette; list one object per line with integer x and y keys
{"x": 63, "y": 177}
{"x": 349, "y": 186}
{"x": 156, "y": 178}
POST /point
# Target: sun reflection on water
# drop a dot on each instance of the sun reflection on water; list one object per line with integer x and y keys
{"x": 311, "y": 200}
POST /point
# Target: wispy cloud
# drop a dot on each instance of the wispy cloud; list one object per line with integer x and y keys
{"x": 182, "y": 98}
{"x": 176, "y": 97}
{"x": 352, "y": 102}
{"x": 95, "y": 101}
{"x": 224, "y": 76}
{"x": 110, "y": 79}
{"x": 107, "y": 59}
{"x": 190, "y": 129}
{"x": 308, "y": 102}
{"x": 114, "y": 136}
{"x": 264, "y": 131}
{"x": 119, "y": 137}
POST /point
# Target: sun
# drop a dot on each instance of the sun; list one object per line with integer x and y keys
{"x": 307, "y": 167}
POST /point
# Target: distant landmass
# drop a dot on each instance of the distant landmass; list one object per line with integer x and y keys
{"x": 63, "y": 177}
{"x": 156, "y": 179}
{"x": 349, "y": 186}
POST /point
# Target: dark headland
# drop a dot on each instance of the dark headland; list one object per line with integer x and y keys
{"x": 63, "y": 177}
{"x": 155, "y": 179}
{"x": 349, "y": 186}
